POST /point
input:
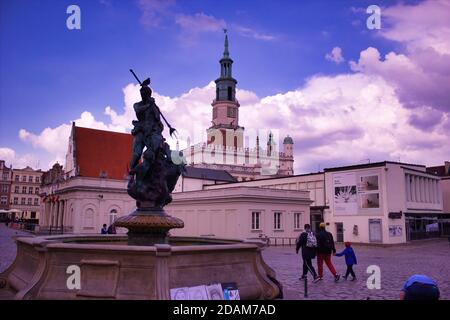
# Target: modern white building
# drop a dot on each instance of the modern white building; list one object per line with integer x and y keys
{"x": 384, "y": 202}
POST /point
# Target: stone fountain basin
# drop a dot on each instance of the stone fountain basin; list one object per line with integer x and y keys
{"x": 111, "y": 269}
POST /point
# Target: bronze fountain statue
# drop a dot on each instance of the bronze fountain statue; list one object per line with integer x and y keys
{"x": 153, "y": 174}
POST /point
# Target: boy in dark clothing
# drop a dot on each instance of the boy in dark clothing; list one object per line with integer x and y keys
{"x": 325, "y": 246}
{"x": 307, "y": 241}
{"x": 104, "y": 229}
{"x": 350, "y": 260}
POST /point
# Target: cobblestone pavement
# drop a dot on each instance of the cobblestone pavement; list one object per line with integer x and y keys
{"x": 8, "y": 246}
{"x": 430, "y": 257}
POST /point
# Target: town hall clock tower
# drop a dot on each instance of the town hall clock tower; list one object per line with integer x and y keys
{"x": 225, "y": 130}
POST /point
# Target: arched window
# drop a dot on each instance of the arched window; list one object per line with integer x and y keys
{"x": 88, "y": 221}
{"x": 230, "y": 92}
{"x": 112, "y": 216}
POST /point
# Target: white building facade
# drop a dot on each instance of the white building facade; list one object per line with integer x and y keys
{"x": 386, "y": 202}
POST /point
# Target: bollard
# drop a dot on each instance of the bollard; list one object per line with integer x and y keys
{"x": 306, "y": 287}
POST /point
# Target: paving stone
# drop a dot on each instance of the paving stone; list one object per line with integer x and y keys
{"x": 397, "y": 264}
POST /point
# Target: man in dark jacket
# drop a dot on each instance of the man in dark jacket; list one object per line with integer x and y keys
{"x": 307, "y": 241}
{"x": 325, "y": 247}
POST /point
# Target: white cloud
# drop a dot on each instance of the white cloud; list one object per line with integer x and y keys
{"x": 199, "y": 22}
{"x": 422, "y": 25}
{"x": 252, "y": 33}
{"x": 335, "y": 55}
{"x": 18, "y": 161}
{"x": 421, "y": 72}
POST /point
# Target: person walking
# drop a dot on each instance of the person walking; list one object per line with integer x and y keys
{"x": 308, "y": 243}
{"x": 350, "y": 260}
{"x": 325, "y": 247}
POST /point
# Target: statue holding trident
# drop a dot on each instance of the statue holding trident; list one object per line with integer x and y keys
{"x": 153, "y": 173}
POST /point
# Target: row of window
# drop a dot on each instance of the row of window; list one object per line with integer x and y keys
{"x": 24, "y": 190}
{"x": 24, "y": 201}
{"x": 24, "y": 179}
{"x": 277, "y": 220}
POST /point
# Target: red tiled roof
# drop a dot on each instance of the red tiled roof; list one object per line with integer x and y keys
{"x": 102, "y": 152}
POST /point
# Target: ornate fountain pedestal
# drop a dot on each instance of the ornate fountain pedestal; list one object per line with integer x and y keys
{"x": 148, "y": 225}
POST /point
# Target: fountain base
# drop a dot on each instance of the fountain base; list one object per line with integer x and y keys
{"x": 148, "y": 226}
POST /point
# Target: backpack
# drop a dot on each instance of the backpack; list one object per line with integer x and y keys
{"x": 328, "y": 242}
{"x": 311, "y": 241}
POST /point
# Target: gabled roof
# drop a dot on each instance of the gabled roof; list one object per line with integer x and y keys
{"x": 100, "y": 153}
{"x": 208, "y": 174}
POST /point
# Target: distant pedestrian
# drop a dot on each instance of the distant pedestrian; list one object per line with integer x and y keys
{"x": 420, "y": 287}
{"x": 350, "y": 260}
{"x": 308, "y": 243}
{"x": 111, "y": 229}
{"x": 104, "y": 229}
{"x": 325, "y": 247}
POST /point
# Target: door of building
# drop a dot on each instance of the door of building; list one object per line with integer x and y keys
{"x": 375, "y": 230}
{"x": 339, "y": 232}
{"x": 316, "y": 219}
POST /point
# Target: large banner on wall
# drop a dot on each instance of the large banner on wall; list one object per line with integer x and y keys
{"x": 369, "y": 191}
{"x": 345, "y": 198}
{"x": 355, "y": 193}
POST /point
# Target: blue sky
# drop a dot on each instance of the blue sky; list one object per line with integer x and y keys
{"x": 49, "y": 75}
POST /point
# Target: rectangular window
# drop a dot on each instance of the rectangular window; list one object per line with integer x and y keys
{"x": 297, "y": 216}
{"x": 16, "y": 200}
{"x": 5, "y": 176}
{"x": 22, "y": 200}
{"x": 256, "y": 218}
{"x": 24, "y": 179}
{"x": 16, "y": 178}
{"x": 37, "y": 190}
{"x": 30, "y": 201}
{"x": 277, "y": 221}
{"x": 37, "y": 179}
{"x": 36, "y": 201}
{"x": 16, "y": 189}
{"x": 4, "y": 200}
{"x": 30, "y": 179}
{"x": 24, "y": 189}
{"x": 5, "y": 188}
{"x": 30, "y": 190}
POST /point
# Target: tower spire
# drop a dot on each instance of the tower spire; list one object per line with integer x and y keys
{"x": 226, "y": 54}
